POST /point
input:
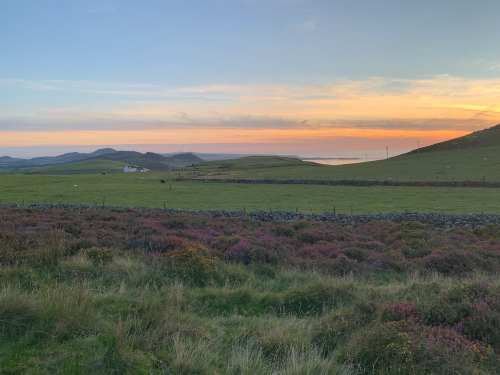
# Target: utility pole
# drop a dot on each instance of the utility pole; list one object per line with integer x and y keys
{"x": 418, "y": 148}
{"x": 169, "y": 177}
{"x": 387, "y": 150}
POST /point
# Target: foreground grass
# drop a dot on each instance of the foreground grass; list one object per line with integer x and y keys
{"x": 128, "y": 316}
{"x": 134, "y": 292}
{"x": 144, "y": 189}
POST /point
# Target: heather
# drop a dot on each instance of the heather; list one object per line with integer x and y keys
{"x": 129, "y": 291}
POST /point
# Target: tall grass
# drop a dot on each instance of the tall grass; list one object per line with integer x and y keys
{"x": 88, "y": 310}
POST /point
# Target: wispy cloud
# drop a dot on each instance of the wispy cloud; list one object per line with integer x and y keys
{"x": 438, "y": 107}
{"x": 493, "y": 65}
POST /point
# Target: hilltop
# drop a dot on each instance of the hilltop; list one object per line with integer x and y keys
{"x": 6, "y": 162}
{"x": 103, "y": 160}
{"x": 489, "y": 137}
{"x": 152, "y": 161}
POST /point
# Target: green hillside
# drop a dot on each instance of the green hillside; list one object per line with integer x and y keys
{"x": 151, "y": 160}
{"x": 473, "y": 157}
{"x": 81, "y": 167}
{"x": 253, "y": 162}
{"x": 13, "y": 164}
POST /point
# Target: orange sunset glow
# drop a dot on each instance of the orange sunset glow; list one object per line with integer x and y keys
{"x": 345, "y": 115}
{"x": 314, "y": 77}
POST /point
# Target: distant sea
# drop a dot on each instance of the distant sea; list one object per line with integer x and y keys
{"x": 336, "y": 161}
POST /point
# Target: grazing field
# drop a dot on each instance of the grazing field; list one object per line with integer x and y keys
{"x": 472, "y": 157}
{"x": 444, "y": 165}
{"x": 133, "y": 292}
{"x": 81, "y": 167}
{"x": 144, "y": 189}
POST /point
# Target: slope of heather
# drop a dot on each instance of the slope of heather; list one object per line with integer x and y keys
{"x": 134, "y": 292}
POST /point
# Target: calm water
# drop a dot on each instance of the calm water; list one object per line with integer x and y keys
{"x": 337, "y": 161}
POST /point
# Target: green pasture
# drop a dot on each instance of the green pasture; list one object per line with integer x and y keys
{"x": 145, "y": 189}
{"x": 442, "y": 165}
{"x": 81, "y": 167}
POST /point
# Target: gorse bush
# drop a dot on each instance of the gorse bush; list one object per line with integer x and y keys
{"x": 192, "y": 263}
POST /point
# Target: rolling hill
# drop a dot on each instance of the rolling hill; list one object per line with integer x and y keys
{"x": 151, "y": 160}
{"x": 81, "y": 167}
{"x": 7, "y": 162}
{"x": 115, "y": 162}
{"x": 472, "y": 157}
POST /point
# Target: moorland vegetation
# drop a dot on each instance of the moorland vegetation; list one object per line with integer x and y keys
{"x": 128, "y": 291}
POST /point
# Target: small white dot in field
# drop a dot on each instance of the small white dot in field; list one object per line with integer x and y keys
{"x": 74, "y": 186}
{"x": 484, "y": 158}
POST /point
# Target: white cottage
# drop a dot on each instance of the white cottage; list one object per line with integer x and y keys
{"x": 130, "y": 168}
{"x": 134, "y": 168}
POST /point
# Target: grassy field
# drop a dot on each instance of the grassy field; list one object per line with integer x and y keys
{"x": 445, "y": 165}
{"x": 144, "y": 189}
{"x": 473, "y": 157}
{"x": 130, "y": 292}
{"x": 81, "y": 167}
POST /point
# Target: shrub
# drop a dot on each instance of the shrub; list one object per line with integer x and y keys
{"x": 449, "y": 261}
{"x": 409, "y": 347}
{"x": 399, "y": 311}
{"x": 193, "y": 264}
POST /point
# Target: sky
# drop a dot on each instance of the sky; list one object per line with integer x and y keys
{"x": 317, "y": 78}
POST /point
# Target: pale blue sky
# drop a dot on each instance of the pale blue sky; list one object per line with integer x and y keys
{"x": 74, "y": 65}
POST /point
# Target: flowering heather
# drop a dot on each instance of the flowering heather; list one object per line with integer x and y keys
{"x": 131, "y": 291}
{"x": 329, "y": 247}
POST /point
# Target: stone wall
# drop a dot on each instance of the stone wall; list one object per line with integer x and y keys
{"x": 434, "y": 219}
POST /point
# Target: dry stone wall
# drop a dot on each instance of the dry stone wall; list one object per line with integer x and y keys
{"x": 434, "y": 219}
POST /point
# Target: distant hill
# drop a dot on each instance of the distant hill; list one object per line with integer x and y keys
{"x": 254, "y": 162}
{"x": 81, "y": 167}
{"x": 474, "y": 157}
{"x": 151, "y": 160}
{"x": 148, "y": 160}
{"x": 7, "y": 162}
